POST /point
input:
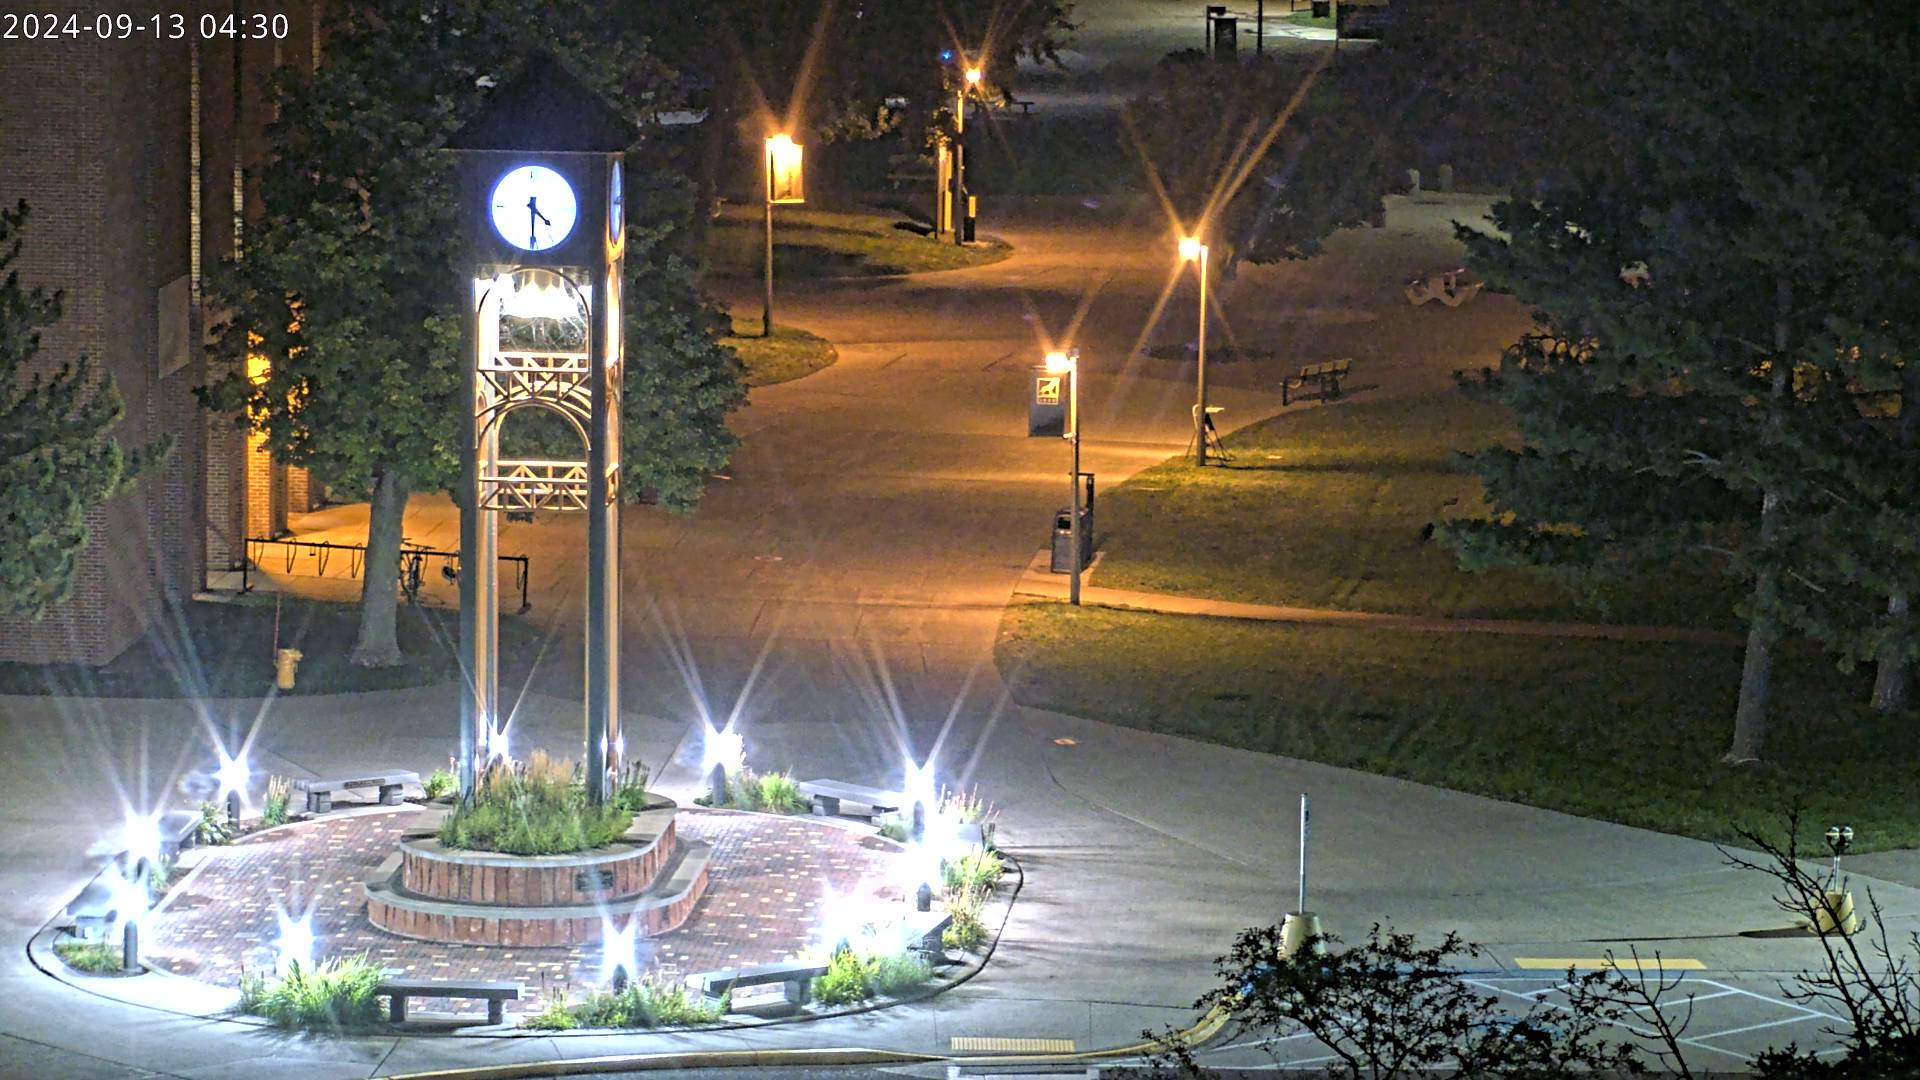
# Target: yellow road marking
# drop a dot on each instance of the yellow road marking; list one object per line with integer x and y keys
{"x": 1625, "y": 963}
{"x": 1012, "y": 1046}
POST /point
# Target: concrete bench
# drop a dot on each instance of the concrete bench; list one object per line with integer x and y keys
{"x": 1451, "y": 288}
{"x": 829, "y": 794}
{"x": 921, "y": 930}
{"x": 796, "y": 976}
{"x": 94, "y": 911}
{"x": 320, "y": 792}
{"x": 495, "y": 994}
{"x": 1326, "y": 376}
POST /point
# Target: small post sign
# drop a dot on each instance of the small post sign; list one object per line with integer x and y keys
{"x": 1047, "y": 402}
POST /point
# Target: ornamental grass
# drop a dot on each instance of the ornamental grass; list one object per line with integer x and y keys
{"x": 536, "y": 807}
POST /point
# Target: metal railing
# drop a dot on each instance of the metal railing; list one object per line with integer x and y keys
{"x": 410, "y": 574}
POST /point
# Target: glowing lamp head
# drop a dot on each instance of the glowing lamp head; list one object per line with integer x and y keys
{"x": 231, "y": 775}
{"x": 974, "y": 75}
{"x": 1061, "y": 362}
{"x": 725, "y": 748}
{"x": 780, "y": 142}
{"x": 294, "y": 944}
{"x": 497, "y": 747}
{"x": 140, "y": 836}
{"x": 1191, "y": 248}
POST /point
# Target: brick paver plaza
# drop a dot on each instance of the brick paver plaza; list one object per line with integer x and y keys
{"x": 764, "y": 902}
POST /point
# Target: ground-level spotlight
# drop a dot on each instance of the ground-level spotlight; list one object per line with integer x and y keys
{"x": 293, "y": 946}
{"x": 620, "y": 951}
{"x": 921, "y": 795}
{"x": 140, "y": 839}
{"x": 231, "y": 776}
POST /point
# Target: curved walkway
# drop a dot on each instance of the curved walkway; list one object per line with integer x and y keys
{"x": 1040, "y": 582}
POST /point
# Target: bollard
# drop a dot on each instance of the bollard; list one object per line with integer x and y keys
{"x": 233, "y": 808}
{"x": 286, "y": 662}
{"x": 1446, "y": 178}
{"x": 620, "y": 979}
{"x": 923, "y": 897}
{"x": 130, "y": 947}
{"x": 919, "y": 821}
{"x": 717, "y": 784}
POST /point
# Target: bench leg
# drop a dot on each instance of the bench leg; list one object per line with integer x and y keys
{"x": 797, "y": 991}
{"x": 1333, "y": 389}
{"x": 1286, "y": 393}
{"x": 496, "y": 1011}
{"x": 827, "y": 805}
{"x": 390, "y": 794}
{"x": 397, "y": 1008}
{"x": 319, "y": 802}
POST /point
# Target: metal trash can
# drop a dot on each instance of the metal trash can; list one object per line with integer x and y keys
{"x": 1063, "y": 539}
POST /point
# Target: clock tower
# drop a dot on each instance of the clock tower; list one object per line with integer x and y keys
{"x": 542, "y": 220}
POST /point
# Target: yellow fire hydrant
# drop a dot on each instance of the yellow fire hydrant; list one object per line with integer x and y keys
{"x": 287, "y": 662}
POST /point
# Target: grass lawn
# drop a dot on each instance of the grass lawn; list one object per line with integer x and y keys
{"x": 226, "y": 650}
{"x": 790, "y": 353}
{"x": 1619, "y": 731}
{"x": 829, "y": 243}
{"x": 1324, "y": 507}
{"x": 1306, "y": 18}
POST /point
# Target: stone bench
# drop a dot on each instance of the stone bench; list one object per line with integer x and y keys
{"x": 320, "y": 792}
{"x": 94, "y": 911}
{"x": 829, "y": 794}
{"x": 495, "y": 994}
{"x": 921, "y": 930}
{"x": 796, "y": 976}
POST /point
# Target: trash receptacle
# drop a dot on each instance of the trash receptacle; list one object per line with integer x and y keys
{"x": 1063, "y": 539}
{"x": 1322, "y": 8}
{"x": 286, "y": 662}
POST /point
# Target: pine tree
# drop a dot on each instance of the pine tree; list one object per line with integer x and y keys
{"x": 1698, "y": 390}
{"x": 57, "y": 457}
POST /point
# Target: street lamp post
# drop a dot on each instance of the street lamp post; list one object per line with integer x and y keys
{"x": 1192, "y": 250}
{"x": 1068, "y": 363}
{"x": 784, "y": 185}
{"x": 969, "y": 82}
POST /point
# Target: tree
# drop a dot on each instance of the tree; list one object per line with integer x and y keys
{"x": 1694, "y": 387}
{"x": 345, "y": 291}
{"x": 1509, "y": 93}
{"x": 57, "y": 458}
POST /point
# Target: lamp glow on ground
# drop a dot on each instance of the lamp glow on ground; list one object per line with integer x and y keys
{"x": 293, "y": 943}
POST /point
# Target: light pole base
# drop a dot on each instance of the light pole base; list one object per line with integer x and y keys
{"x": 1297, "y": 930}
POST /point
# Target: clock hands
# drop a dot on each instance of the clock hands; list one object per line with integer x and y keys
{"x": 533, "y": 216}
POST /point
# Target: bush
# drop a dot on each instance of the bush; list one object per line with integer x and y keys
{"x": 778, "y": 793}
{"x": 532, "y": 809}
{"x": 630, "y": 793}
{"x": 848, "y": 979}
{"x": 966, "y": 931}
{"x": 967, "y": 807}
{"x": 896, "y": 830}
{"x": 159, "y": 878}
{"x": 900, "y": 972}
{"x": 976, "y": 870}
{"x": 279, "y": 797}
{"x": 644, "y": 1004}
{"x": 336, "y": 993}
{"x": 439, "y": 784}
{"x": 213, "y": 828}
{"x": 93, "y": 957}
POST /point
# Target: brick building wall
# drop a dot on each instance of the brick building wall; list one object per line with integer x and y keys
{"x": 93, "y": 138}
{"x": 102, "y": 139}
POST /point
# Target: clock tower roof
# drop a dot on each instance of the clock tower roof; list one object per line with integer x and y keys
{"x": 544, "y": 109}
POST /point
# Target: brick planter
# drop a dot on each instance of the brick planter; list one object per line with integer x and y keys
{"x": 623, "y": 869}
{"x": 433, "y": 893}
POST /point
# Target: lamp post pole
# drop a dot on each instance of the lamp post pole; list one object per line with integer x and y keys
{"x": 766, "y": 310}
{"x": 1200, "y": 380}
{"x": 1073, "y": 478}
{"x": 958, "y": 213}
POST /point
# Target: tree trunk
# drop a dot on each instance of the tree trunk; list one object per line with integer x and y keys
{"x": 1891, "y": 679}
{"x": 378, "y": 643}
{"x": 1756, "y": 670}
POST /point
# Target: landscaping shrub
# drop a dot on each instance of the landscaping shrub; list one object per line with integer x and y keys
{"x": 159, "y": 879}
{"x": 967, "y": 807}
{"x": 848, "y": 979}
{"x": 778, "y": 793}
{"x": 900, "y": 972}
{"x": 966, "y": 931}
{"x": 439, "y": 784}
{"x": 279, "y": 797}
{"x": 336, "y": 993}
{"x": 630, "y": 792}
{"x": 896, "y": 830}
{"x": 213, "y": 828}
{"x": 977, "y": 869}
{"x": 93, "y": 957}
{"x": 535, "y": 808}
{"x": 644, "y": 1004}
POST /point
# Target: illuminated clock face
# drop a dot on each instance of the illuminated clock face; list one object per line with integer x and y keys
{"x": 533, "y": 207}
{"x": 616, "y": 203}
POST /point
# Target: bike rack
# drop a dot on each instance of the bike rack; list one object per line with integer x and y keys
{"x": 414, "y": 560}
